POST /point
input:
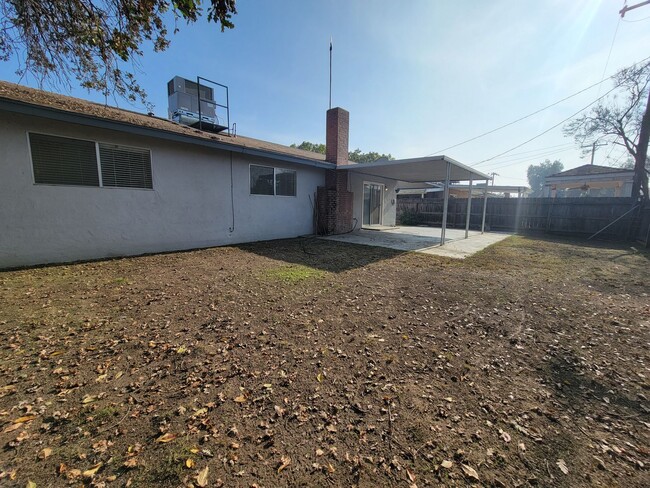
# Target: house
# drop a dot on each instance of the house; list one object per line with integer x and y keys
{"x": 589, "y": 180}
{"x": 80, "y": 180}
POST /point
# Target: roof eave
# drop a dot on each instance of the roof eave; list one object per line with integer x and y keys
{"x": 23, "y": 108}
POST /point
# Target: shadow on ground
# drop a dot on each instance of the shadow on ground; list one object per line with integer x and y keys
{"x": 585, "y": 394}
{"x": 331, "y": 256}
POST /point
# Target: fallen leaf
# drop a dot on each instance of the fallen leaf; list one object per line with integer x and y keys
{"x": 284, "y": 462}
{"x": 411, "y": 476}
{"x": 446, "y": 464}
{"x": 202, "y": 477}
{"x": 26, "y": 418}
{"x": 88, "y": 399}
{"x": 73, "y": 473}
{"x": 189, "y": 463}
{"x": 30, "y": 484}
{"x": 132, "y": 462}
{"x": 562, "y": 465}
{"x": 505, "y": 436}
{"x": 45, "y": 453}
{"x": 89, "y": 473}
{"x": 469, "y": 471}
{"x": 168, "y": 437}
{"x": 240, "y": 399}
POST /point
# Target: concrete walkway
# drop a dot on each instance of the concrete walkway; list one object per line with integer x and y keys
{"x": 423, "y": 239}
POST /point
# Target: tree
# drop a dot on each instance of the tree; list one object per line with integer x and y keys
{"x": 96, "y": 42}
{"x": 623, "y": 119}
{"x": 357, "y": 156}
{"x": 537, "y": 173}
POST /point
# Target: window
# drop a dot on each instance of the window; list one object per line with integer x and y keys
{"x": 65, "y": 161}
{"x": 267, "y": 180}
{"x": 285, "y": 182}
{"x": 125, "y": 167}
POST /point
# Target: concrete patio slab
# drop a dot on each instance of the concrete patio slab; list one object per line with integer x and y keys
{"x": 423, "y": 239}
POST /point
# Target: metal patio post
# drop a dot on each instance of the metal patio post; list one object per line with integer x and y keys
{"x": 445, "y": 206}
{"x": 484, "y": 207}
{"x": 469, "y": 206}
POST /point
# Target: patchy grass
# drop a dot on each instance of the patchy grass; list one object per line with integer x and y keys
{"x": 316, "y": 363}
{"x": 293, "y": 274}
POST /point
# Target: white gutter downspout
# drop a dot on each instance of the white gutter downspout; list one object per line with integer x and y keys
{"x": 445, "y": 206}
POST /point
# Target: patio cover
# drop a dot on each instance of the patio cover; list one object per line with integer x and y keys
{"x": 422, "y": 170}
{"x": 417, "y": 170}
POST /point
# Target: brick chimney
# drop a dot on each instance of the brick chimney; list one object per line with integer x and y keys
{"x": 337, "y": 136}
{"x": 334, "y": 200}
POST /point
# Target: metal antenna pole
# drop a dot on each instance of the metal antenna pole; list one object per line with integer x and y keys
{"x": 330, "y": 72}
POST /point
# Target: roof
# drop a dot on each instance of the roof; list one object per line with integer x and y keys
{"x": 417, "y": 170}
{"x": 590, "y": 169}
{"x": 31, "y": 101}
{"x": 413, "y": 189}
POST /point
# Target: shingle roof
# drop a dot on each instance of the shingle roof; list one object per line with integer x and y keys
{"x": 590, "y": 169}
{"x": 41, "y": 98}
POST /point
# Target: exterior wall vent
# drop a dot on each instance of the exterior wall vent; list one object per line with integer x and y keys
{"x": 193, "y": 103}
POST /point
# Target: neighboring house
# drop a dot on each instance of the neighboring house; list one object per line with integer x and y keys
{"x": 589, "y": 180}
{"x": 80, "y": 180}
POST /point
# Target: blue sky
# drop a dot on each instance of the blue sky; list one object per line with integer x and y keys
{"x": 416, "y": 76}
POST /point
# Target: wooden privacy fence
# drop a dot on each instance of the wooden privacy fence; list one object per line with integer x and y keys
{"x": 577, "y": 216}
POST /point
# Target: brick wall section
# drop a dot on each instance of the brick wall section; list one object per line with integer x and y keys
{"x": 334, "y": 204}
{"x": 337, "y": 135}
{"x": 334, "y": 201}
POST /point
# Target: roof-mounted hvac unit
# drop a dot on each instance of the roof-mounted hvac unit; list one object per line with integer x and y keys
{"x": 193, "y": 103}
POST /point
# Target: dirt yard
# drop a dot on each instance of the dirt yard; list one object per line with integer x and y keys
{"x": 313, "y": 363}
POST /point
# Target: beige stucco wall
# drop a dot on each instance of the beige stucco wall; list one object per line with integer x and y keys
{"x": 189, "y": 207}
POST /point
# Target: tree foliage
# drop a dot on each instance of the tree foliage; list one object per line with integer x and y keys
{"x": 622, "y": 119}
{"x": 357, "y": 156}
{"x": 537, "y": 172}
{"x": 96, "y": 42}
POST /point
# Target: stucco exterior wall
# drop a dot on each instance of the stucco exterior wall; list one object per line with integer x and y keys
{"x": 389, "y": 203}
{"x": 190, "y": 205}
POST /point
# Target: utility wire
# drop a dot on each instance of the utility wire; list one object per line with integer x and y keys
{"x": 611, "y": 47}
{"x": 505, "y": 164}
{"x": 541, "y": 149}
{"x": 440, "y": 151}
{"x": 547, "y": 130}
{"x": 637, "y": 20}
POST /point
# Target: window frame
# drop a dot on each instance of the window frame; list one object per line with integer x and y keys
{"x": 97, "y": 158}
{"x": 275, "y": 173}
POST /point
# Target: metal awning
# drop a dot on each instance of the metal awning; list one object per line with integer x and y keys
{"x": 417, "y": 170}
{"x": 425, "y": 170}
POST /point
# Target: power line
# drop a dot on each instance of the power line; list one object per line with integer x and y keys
{"x": 633, "y": 21}
{"x": 440, "y": 151}
{"x": 547, "y": 130}
{"x": 505, "y": 164}
{"x": 618, "y": 23}
{"x": 542, "y": 149}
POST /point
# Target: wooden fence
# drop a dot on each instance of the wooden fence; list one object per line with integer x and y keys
{"x": 570, "y": 216}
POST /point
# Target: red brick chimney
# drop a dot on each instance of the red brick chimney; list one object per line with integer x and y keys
{"x": 334, "y": 199}
{"x": 337, "y": 136}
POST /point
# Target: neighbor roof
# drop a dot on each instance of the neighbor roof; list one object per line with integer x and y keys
{"x": 590, "y": 169}
{"x": 30, "y": 101}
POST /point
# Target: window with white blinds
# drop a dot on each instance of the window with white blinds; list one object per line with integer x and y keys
{"x": 125, "y": 167}
{"x": 66, "y": 161}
